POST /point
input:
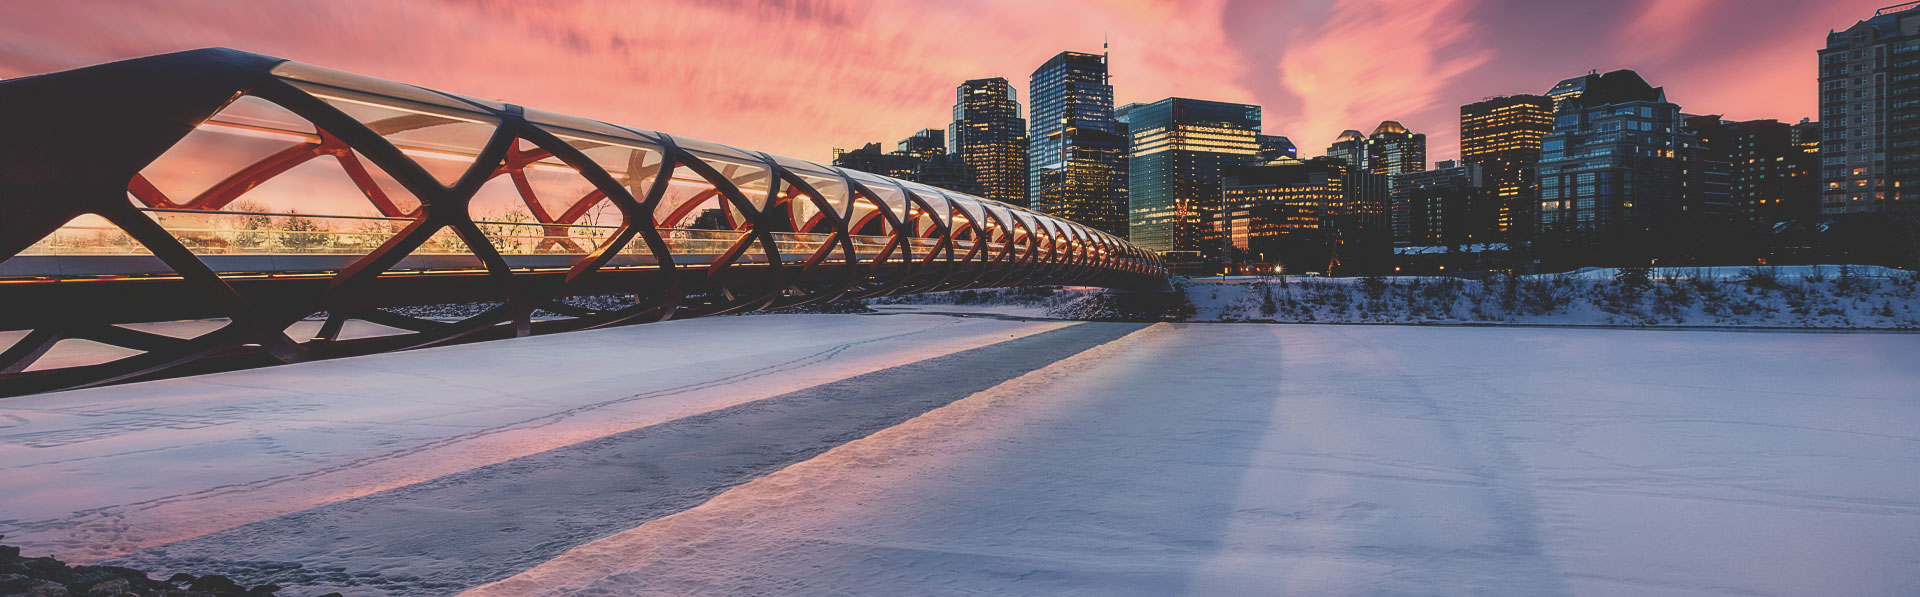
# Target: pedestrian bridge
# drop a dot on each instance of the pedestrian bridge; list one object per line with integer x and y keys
{"x": 285, "y": 203}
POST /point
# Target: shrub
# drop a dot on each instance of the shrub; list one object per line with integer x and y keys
{"x": 1635, "y": 277}
{"x": 1847, "y": 281}
{"x": 1815, "y": 275}
{"x": 1373, "y": 285}
{"x": 1764, "y": 277}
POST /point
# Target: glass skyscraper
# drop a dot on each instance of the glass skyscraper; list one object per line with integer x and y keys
{"x": 991, "y": 137}
{"x": 1618, "y": 161}
{"x": 1077, "y": 160}
{"x": 1178, "y": 150}
{"x": 1503, "y": 136}
{"x": 1393, "y": 150}
{"x": 1350, "y": 146}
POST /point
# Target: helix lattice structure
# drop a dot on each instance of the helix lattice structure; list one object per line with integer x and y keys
{"x": 214, "y": 208}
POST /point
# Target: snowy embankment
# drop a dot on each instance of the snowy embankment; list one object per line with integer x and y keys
{"x": 1810, "y": 297}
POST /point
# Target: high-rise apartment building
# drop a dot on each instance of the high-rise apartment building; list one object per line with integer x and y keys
{"x": 1870, "y": 114}
{"x": 1502, "y": 135}
{"x": 1178, "y": 150}
{"x": 1076, "y": 159}
{"x": 1773, "y": 176}
{"x": 991, "y": 137}
{"x": 1618, "y": 160}
{"x": 1442, "y": 207}
{"x": 1394, "y": 150}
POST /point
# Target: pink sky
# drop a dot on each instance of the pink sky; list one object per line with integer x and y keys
{"x": 798, "y": 77}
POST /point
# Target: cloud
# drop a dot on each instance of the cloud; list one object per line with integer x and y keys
{"x": 1375, "y": 60}
{"x": 798, "y": 77}
{"x": 1662, "y": 26}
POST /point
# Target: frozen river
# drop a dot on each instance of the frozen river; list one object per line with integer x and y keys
{"x": 929, "y": 454}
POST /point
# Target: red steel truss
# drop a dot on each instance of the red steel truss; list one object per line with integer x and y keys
{"x": 128, "y": 196}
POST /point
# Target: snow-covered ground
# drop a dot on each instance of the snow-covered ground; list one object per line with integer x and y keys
{"x": 1178, "y": 458}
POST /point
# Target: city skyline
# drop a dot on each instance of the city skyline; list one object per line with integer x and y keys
{"x": 1293, "y": 59}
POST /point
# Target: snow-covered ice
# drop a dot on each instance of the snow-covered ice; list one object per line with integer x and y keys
{"x": 1199, "y": 459}
{"x": 99, "y": 472}
{"x": 1261, "y": 459}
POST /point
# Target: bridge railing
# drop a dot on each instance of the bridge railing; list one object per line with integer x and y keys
{"x": 266, "y": 234}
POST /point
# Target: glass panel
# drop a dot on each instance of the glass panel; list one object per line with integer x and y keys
{"x": 801, "y": 209}
{"x": 833, "y": 189}
{"x": 751, "y": 177}
{"x": 805, "y": 212}
{"x": 887, "y": 189}
{"x": 318, "y": 186}
{"x": 87, "y": 235}
{"x": 633, "y": 165}
{"x": 254, "y": 179}
{"x": 252, "y": 113}
{"x": 561, "y": 124}
{"x": 444, "y": 242}
{"x": 402, "y": 200}
{"x": 553, "y": 188}
{"x": 686, "y": 188}
{"x": 924, "y": 221}
{"x": 701, "y": 245}
{"x": 248, "y": 132}
{"x": 318, "y": 80}
{"x": 504, "y": 217}
{"x": 714, "y": 149}
{"x": 934, "y": 198}
{"x": 999, "y": 225}
{"x": 967, "y": 213}
{"x": 800, "y": 247}
{"x": 259, "y": 233}
{"x": 443, "y": 141}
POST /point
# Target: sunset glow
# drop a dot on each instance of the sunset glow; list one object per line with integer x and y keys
{"x": 801, "y": 77}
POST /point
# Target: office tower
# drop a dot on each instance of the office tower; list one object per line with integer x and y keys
{"x": 870, "y": 158}
{"x": 1076, "y": 158}
{"x": 1350, "y": 146}
{"x": 923, "y": 144}
{"x": 1618, "y": 163}
{"x": 1502, "y": 135}
{"x": 1870, "y": 149}
{"x": 920, "y": 158}
{"x": 1317, "y": 215}
{"x": 1392, "y": 150}
{"x": 1773, "y": 178}
{"x": 1440, "y": 206}
{"x": 991, "y": 137}
{"x": 1178, "y": 149}
{"x": 1273, "y": 147}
